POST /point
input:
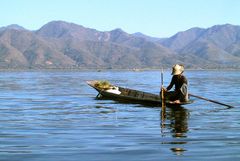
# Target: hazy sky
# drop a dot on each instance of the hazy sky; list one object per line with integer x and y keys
{"x": 158, "y": 18}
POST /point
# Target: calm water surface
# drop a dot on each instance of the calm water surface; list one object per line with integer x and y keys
{"x": 54, "y": 116}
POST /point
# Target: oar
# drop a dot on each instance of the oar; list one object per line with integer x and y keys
{"x": 206, "y": 99}
{"x": 162, "y": 91}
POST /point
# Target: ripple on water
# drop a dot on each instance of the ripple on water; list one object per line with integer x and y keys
{"x": 55, "y": 116}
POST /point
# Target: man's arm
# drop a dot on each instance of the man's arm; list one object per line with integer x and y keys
{"x": 171, "y": 84}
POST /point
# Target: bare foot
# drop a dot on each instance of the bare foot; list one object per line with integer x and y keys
{"x": 177, "y": 101}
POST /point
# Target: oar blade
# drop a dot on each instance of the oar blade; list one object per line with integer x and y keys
{"x": 210, "y": 100}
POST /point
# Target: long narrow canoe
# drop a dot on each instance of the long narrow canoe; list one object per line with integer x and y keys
{"x": 130, "y": 95}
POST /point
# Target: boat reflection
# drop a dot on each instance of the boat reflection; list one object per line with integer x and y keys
{"x": 174, "y": 123}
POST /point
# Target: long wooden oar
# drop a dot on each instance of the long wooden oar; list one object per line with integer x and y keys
{"x": 206, "y": 99}
{"x": 162, "y": 91}
{"x": 163, "y": 111}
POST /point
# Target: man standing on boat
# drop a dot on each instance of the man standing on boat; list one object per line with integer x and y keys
{"x": 180, "y": 94}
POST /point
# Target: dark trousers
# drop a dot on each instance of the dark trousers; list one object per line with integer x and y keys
{"x": 175, "y": 95}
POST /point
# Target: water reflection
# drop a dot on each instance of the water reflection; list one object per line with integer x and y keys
{"x": 174, "y": 121}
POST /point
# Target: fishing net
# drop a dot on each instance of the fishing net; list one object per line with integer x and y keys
{"x": 103, "y": 85}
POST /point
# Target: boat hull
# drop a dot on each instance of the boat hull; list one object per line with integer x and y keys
{"x": 132, "y": 96}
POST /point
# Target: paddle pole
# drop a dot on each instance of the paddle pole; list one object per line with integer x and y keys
{"x": 163, "y": 111}
{"x": 162, "y": 91}
{"x": 213, "y": 101}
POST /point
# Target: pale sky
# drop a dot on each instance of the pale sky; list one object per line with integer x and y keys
{"x": 157, "y": 18}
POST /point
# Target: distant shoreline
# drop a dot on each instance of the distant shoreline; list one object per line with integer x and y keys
{"x": 101, "y": 70}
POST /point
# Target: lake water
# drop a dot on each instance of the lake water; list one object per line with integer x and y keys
{"x": 54, "y": 116}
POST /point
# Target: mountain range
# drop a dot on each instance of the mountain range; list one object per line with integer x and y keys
{"x": 63, "y": 45}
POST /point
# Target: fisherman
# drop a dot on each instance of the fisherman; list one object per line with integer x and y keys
{"x": 180, "y": 94}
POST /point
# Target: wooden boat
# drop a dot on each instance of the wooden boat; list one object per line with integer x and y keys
{"x": 130, "y": 95}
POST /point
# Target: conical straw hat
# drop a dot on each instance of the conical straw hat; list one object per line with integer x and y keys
{"x": 177, "y": 69}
